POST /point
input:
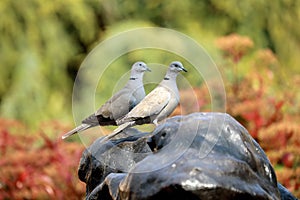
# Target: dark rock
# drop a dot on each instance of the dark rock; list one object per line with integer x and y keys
{"x": 285, "y": 194}
{"x": 198, "y": 156}
{"x": 116, "y": 156}
{"x": 108, "y": 189}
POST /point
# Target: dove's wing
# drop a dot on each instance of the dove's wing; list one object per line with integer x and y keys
{"x": 150, "y": 106}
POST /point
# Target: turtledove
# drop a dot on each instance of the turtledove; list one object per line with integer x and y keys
{"x": 157, "y": 105}
{"x": 119, "y": 104}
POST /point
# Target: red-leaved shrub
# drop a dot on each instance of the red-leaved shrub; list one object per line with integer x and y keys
{"x": 33, "y": 166}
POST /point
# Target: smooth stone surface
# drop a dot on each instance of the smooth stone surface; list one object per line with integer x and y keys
{"x": 198, "y": 156}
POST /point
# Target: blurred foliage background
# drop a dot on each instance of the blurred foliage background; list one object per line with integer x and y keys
{"x": 255, "y": 44}
{"x": 44, "y": 42}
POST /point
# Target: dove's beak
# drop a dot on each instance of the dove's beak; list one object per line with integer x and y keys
{"x": 183, "y": 69}
{"x": 148, "y": 69}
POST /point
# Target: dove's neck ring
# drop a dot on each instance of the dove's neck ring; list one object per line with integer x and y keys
{"x": 171, "y": 75}
{"x": 136, "y": 76}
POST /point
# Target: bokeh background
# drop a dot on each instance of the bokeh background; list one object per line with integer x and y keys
{"x": 255, "y": 44}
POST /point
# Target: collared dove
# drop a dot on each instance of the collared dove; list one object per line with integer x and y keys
{"x": 119, "y": 104}
{"x": 157, "y": 105}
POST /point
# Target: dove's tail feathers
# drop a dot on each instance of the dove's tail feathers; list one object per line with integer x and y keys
{"x": 119, "y": 129}
{"x": 82, "y": 127}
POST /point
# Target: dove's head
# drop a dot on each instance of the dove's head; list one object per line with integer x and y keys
{"x": 140, "y": 67}
{"x": 177, "y": 66}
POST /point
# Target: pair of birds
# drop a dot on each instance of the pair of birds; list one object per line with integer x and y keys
{"x": 130, "y": 106}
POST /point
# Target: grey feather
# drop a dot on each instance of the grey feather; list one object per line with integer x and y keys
{"x": 82, "y": 127}
{"x": 119, "y": 129}
{"x": 158, "y": 104}
{"x": 119, "y": 104}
